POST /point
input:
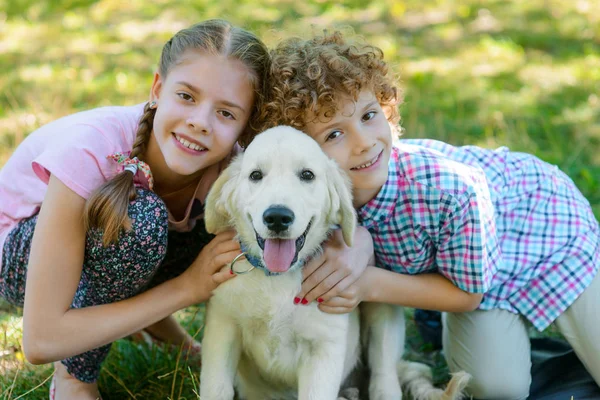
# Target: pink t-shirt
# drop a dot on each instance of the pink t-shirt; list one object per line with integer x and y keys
{"x": 74, "y": 149}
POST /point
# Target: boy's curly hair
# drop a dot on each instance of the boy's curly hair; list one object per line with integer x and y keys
{"x": 310, "y": 75}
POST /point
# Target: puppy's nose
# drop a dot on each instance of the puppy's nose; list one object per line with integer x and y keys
{"x": 278, "y": 218}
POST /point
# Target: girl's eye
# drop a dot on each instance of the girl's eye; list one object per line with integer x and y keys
{"x": 368, "y": 116}
{"x": 227, "y": 114}
{"x": 333, "y": 135}
{"x": 185, "y": 96}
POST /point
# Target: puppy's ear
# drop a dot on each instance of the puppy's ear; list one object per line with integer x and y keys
{"x": 220, "y": 199}
{"x": 341, "y": 211}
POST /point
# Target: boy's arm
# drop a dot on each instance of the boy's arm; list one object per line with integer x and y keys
{"x": 430, "y": 291}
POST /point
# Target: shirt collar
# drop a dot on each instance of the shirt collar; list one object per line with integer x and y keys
{"x": 383, "y": 205}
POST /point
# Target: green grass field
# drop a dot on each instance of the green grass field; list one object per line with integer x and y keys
{"x": 488, "y": 72}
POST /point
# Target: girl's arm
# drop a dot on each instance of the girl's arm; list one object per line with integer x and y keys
{"x": 52, "y": 330}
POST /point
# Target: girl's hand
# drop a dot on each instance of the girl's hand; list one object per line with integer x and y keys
{"x": 350, "y": 298}
{"x": 337, "y": 268}
{"x": 207, "y": 272}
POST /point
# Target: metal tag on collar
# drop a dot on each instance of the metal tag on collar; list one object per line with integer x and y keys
{"x": 235, "y": 260}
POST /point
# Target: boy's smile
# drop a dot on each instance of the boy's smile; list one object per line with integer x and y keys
{"x": 370, "y": 165}
{"x": 359, "y": 138}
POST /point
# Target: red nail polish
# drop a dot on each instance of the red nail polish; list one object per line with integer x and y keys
{"x": 296, "y": 300}
{"x": 304, "y": 302}
{"x": 230, "y": 272}
{"x": 320, "y": 300}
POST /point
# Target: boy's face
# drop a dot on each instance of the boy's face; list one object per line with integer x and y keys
{"x": 359, "y": 139}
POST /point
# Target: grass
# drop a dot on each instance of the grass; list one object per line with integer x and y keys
{"x": 131, "y": 370}
{"x": 141, "y": 371}
{"x": 488, "y": 72}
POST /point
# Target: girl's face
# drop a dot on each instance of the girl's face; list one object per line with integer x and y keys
{"x": 359, "y": 139}
{"x": 203, "y": 105}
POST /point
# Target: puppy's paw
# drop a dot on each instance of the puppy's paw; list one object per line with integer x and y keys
{"x": 216, "y": 392}
{"x": 384, "y": 387}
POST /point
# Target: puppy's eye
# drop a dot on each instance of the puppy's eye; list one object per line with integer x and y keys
{"x": 307, "y": 175}
{"x": 256, "y": 175}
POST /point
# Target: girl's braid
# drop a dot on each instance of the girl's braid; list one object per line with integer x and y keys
{"x": 144, "y": 130}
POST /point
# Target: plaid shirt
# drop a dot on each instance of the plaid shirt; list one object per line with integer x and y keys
{"x": 501, "y": 223}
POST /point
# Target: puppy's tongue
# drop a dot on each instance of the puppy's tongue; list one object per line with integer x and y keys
{"x": 279, "y": 254}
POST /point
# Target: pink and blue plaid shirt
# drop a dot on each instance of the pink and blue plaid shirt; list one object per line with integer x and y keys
{"x": 501, "y": 223}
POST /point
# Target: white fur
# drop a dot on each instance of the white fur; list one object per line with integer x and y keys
{"x": 256, "y": 339}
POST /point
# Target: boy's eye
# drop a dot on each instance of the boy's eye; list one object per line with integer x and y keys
{"x": 333, "y": 135}
{"x": 185, "y": 96}
{"x": 369, "y": 116}
{"x": 227, "y": 114}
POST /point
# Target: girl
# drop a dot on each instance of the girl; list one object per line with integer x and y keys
{"x": 99, "y": 210}
{"x": 494, "y": 238}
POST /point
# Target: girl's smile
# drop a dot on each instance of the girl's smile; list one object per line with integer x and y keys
{"x": 189, "y": 145}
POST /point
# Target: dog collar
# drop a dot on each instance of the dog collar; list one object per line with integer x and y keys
{"x": 256, "y": 262}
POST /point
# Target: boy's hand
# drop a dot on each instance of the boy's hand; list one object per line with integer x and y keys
{"x": 337, "y": 268}
{"x": 350, "y": 298}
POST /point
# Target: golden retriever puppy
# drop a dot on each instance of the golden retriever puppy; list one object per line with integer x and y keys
{"x": 283, "y": 196}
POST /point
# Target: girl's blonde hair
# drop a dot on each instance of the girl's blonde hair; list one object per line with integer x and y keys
{"x": 107, "y": 206}
{"x": 312, "y": 75}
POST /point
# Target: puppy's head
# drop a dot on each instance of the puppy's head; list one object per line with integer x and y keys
{"x": 282, "y": 196}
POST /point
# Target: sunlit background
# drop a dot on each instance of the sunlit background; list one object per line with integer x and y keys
{"x": 523, "y": 74}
